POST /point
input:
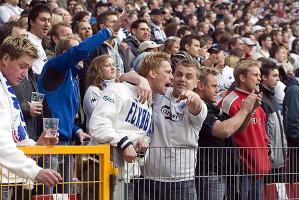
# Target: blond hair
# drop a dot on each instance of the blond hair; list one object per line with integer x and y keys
{"x": 17, "y": 46}
{"x": 231, "y": 61}
{"x": 204, "y": 72}
{"x": 191, "y": 64}
{"x": 152, "y": 62}
{"x": 55, "y": 19}
{"x": 242, "y": 68}
{"x": 64, "y": 43}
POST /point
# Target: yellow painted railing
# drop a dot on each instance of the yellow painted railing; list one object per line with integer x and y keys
{"x": 103, "y": 151}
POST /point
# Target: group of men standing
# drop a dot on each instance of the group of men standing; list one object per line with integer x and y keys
{"x": 182, "y": 118}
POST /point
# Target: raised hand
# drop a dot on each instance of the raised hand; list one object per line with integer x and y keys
{"x": 119, "y": 23}
{"x": 249, "y": 103}
{"x": 189, "y": 95}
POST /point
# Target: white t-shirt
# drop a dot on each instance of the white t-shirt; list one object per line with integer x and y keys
{"x": 90, "y": 100}
{"x": 7, "y": 11}
{"x": 279, "y": 93}
{"x": 224, "y": 80}
{"x": 291, "y": 40}
{"x": 38, "y": 63}
{"x": 173, "y": 147}
{"x": 254, "y": 19}
{"x": 296, "y": 58}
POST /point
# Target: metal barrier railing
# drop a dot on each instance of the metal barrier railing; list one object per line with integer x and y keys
{"x": 173, "y": 173}
{"x": 210, "y": 173}
{"x": 86, "y": 172}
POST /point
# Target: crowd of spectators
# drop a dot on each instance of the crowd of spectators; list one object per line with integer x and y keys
{"x": 223, "y": 73}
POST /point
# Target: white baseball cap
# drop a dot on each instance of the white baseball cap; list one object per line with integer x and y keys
{"x": 257, "y": 28}
{"x": 248, "y": 41}
{"x": 147, "y": 45}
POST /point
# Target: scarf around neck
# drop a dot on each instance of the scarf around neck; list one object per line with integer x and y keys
{"x": 18, "y": 125}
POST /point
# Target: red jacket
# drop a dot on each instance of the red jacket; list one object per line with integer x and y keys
{"x": 253, "y": 140}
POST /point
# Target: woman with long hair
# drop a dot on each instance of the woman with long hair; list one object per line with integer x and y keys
{"x": 171, "y": 46}
{"x": 101, "y": 73}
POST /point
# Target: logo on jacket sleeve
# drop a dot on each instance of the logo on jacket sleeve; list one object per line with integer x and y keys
{"x": 93, "y": 100}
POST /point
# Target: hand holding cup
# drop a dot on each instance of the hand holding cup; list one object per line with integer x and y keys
{"x": 36, "y": 104}
{"x": 51, "y": 135}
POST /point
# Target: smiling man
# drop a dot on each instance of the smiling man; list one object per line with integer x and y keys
{"x": 252, "y": 134}
{"x": 140, "y": 32}
{"x": 189, "y": 49}
{"x": 38, "y": 26}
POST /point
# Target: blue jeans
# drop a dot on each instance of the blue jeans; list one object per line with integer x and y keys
{"x": 145, "y": 189}
{"x": 251, "y": 187}
{"x": 210, "y": 188}
{"x": 6, "y": 194}
{"x": 64, "y": 164}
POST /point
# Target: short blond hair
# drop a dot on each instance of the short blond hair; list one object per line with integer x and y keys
{"x": 152, "y": 62}
{"x": 56, "y": 19}
{"x": 191, "y": 64}
{"x": 242, "y": 68}
{"x": 17, "y": 46}
{"x": 64, "y": 43}
{"x": 204, "y": 72}
{"x": 232, "y": 61}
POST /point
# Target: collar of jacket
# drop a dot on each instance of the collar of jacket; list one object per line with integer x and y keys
{"x": 267, "y": 91}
